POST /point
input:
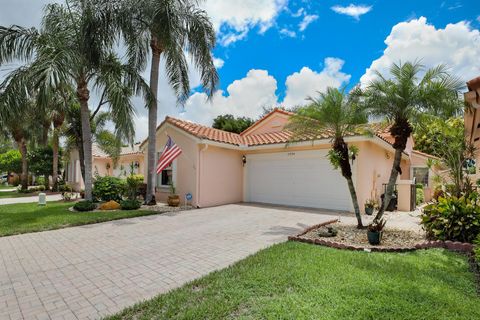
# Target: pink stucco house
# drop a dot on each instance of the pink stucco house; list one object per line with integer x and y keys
{"x": 131, "y": 158}
{"x": 218, "y": 167}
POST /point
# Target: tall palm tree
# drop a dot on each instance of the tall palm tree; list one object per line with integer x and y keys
{"x": 172, "y": 30}
{"x": 335, "y": 112}
{"x": 105, "y": 139}
{"x": 12, "y": 109}
{"x": 407, "y": 92}
{"x": 75, "y": 47}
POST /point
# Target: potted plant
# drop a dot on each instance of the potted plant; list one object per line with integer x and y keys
{"x": 173, "y": 198}
{"x": 370, "y": 206}
{"x": 374, "y": 232}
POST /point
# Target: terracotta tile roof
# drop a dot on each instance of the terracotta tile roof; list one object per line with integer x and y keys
{"x": 204, "y": 132}
{"x": 276, "y": 110}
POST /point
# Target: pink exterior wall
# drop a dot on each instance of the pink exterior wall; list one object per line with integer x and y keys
{"x": 275, "y": 122}
{"x": 374, "y": 167}
{"x": 221, "y": 176}
{"x": 185, "y": 166}
{"x": 99, "y": 166}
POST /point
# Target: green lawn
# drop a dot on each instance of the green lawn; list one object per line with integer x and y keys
{"x": 29, "y": 217}
{"x": 301, "y": 281}
{"x": 2, "y": 186}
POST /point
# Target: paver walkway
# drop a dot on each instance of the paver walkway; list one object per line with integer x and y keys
{"x": 50, "y": 197}
{"x": 91, "y": 271}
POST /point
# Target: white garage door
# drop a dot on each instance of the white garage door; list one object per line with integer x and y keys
{"x": 302, "y": 178}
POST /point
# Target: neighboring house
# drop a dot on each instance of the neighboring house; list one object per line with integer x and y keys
{"x": 472, "y": 119}
{"x": 131, "y": 160}
{"x": 259, "y": 165}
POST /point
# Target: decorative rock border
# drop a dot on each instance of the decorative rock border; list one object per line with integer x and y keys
{"x": 449, "y": 245}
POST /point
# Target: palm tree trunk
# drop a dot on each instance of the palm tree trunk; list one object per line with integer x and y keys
{"x": 356, "y": 208}
{"x": 341, "y": 148}
{"x": 83, "y": 95}
{"x": 152, "y": 121}
{"x": 391, "y": 183}
{"x": 55, "y": 143}
{"x": 82, "y": 160}
{"x": 24, "y": 175}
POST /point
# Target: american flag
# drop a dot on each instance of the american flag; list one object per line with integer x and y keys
{"x": 170, "y": 152}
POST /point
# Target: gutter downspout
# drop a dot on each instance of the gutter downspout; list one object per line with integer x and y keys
{"x": 201, "y": 151}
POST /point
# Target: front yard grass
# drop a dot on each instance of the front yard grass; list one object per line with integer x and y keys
{"x": 301, "y": 281}
{"x": 29, "y": 217}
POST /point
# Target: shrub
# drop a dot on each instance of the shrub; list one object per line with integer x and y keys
{"x": 452, "y": 218}
{"x": 84, "y": 206}
{"x": 438, "y": 193}
{"x": 420, "y": 197}
{"x": 40, "y": 188}
{"x": 40, "y": 181}
{"x": 130, "y": 204}
{"x": 132, "y": 187}
{"x": 108, "y": 188}
{"x": 28, "y": 190}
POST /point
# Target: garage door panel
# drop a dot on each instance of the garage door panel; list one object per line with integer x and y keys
{"x": 298, "y": 179}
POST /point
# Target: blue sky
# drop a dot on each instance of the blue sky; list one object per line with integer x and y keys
{"x": 279, "y": 52}
{"x": 357, "y": 42}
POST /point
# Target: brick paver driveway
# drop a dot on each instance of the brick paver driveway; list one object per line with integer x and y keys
{"x": 91, "y": 271}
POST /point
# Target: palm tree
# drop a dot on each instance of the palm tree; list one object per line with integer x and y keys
{"x": 75, "y": 47}
{"x": 12, "y": 109}
{"x": 105, "y": 139}
{"x": 401, "y": 98}
{"x": 339, "y": 114}
{"x": 172, "y": 30}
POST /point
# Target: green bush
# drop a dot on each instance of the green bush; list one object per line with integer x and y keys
{"x": 420, "y": 197}
{"x": 108, "y": 188}
{"x": 130, "y": 204}
{"x": 40, "y": 181}
{"x": 29, "y": 190}
{"x": 452, "y": 218}
{"x": 132, "y": 186}
{"x": 40, "y": 188}
{"x": 84, "y": 206}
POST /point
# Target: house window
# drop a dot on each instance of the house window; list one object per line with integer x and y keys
{"x": 421, "y": 175}
{"x": 165, "y": 177}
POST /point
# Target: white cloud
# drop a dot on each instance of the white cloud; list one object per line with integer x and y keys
{"x": 299, "y": 13}
{"x": 457, "y": 46}
{"x": 218, "y": 62}
{"x": 307, "y": 82}
{"x": 288, "y": 33}
{"x": 233, "y": 19}
{"x": 352, "y": 10}
{"x": 307, "y": 19}
{"x": 244, "y": 97}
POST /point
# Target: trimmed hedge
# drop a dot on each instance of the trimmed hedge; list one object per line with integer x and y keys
{"x": 130, "y": 204}
{"x": 85, "y": 205}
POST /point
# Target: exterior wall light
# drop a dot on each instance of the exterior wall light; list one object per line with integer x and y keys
{"x": 244, "y": 160}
